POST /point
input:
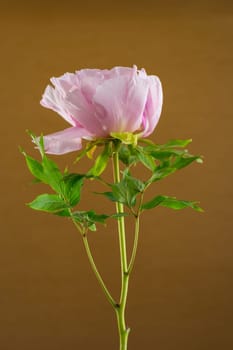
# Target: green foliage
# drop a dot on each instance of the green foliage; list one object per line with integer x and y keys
{"x": 146, "y": 159}
{"x": 160, "y": 160}
{"x": 45, "y": 171}
{"x": 101, "y": 161}
{"x": 126, "y": 155}
{"x": 171, "y": 202}
{"x": 177, "y": 143}
{"x": 169, "y": 158}
{"x": 88, "y": 219}
{"x": 51, "y": 203}
{"x": 67, "y": 186}
{"x": 126, "y": 190}
{"x": 70, "y": 188}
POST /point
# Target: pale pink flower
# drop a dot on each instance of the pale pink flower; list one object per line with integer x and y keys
{"x": 98, "y": 102}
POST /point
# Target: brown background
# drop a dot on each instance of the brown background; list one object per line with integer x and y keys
{"x": 181, "y": 289}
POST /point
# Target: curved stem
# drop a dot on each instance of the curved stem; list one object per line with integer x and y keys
{"x": 96, "y": 272}
{"x": 120, "y": 311}
{"x": 135, "y": 245}
{"x": 94, "y": 268}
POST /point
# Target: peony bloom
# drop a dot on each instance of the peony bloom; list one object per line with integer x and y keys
{"x": 99, "y": 102}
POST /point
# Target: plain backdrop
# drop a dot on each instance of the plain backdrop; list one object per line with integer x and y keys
{"x": 180, "y": 293}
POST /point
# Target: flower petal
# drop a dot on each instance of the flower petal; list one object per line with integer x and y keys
{"x": 153, "y": 106}
{"x": 124, "y": 99}
{"x": 65, "y": 141}
{"x": 84, "y": 112}
{"x": 53, "y": 99}
{"x": 65, "y": 83}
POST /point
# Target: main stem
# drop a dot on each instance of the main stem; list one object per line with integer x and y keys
{"x": 120, "y": 309}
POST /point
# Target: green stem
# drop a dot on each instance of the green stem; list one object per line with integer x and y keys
{"x": 120, "y": 310}
{"x": 135, "y": 245}
{"x": 96, "y": 272}
{"x": 94, "y": 268}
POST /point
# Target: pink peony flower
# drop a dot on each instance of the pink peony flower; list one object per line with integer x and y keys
{"x": 99, "y": 102}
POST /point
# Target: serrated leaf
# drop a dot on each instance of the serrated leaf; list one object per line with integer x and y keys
{"x": 126, "y": 155}
{"x": 48, "y": 202}
{"x": 88, "y": 218}
{"x": 127, "y": 189}
{"x": 181, "y": 162}
{"x": 152, "y": 203}
{"x": 132, "y": 182}
{"x": 71, "y": 186}
{"x": 176, "y": 204}
{"x": 161, "y": 173}
{"x": 178, "y": 143}
{"x": 47, "y": 171}
{"x": 97, "y": 217}
{"x": 147, "y": 161}
{"x": 35, "y": 168}
{"x": 171, "y": 202}
{"x": 163, "y": 154}
{"x": 108, "y": 195}
{"x": 63, "y": 212}
{"x": 52, "y": 174}
{"x": 119, "y": 192}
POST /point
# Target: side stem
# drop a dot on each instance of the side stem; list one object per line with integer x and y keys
{"x": 135, "y": 245}
{"x": 94, "y": 268}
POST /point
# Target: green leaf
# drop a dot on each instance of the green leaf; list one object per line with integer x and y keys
{"x": 120, "y": 193}
{"x": 160, "y": 174}
{"x": 177, "y": 143}
{"x": 133, "y": 183}
{"x": 108, "y": 195}
{"x": 127, "y": 189}
{"x": 45, "y": 171}
{"x": 52, "y": 174}
{"x": 171, "y": 202}
{"x": 163, "y": 154}
{"x": 35, "y": 168}
{"x": 89, "y": 218}
{"x": 181, "y": 162}
{"x": 126, "y": 154}
{"x": 48, "y": 202}
{"x": 145, "y": 158}
{"x": 176, "y": 204}
{"x": 153, "y": 203}
{"x": 71, "y": 186}
{"x": 101, "y": 218}
{"x": 101, "y": 162}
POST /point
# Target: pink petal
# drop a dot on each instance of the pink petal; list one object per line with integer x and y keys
{"x": 65, "y": 83}
{"x": 124, "y": 99}
{"x": 84, "y": 112}
{"x": 121, "y": 71}
{"x": 52, "y": 99}
{"x": 153, "y": 106}
{"x": 65, "y": 141}
{"x": 89, "y": 79}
